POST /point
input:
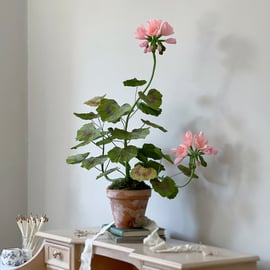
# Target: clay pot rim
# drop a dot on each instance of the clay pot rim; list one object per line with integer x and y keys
{"x": 124, "y": 194}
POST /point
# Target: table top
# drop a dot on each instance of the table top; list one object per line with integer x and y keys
{"x": 197, "y": 256}
{"x": 179, "y": 260}
{"x": 70, "y": 236}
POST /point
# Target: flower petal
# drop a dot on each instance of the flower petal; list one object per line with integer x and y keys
{"x": 187, "y": 138}
{"x": 200, "y": 141}
{"x": 181, "y": 152}
{"x": 153, "y": 28}
{"x": 210, "y": 150}
{"x": 166, "y": 29}
{"x": 140, "y": 32}
{"x": 170, "y": 40}
{"x": 143, "y": 44}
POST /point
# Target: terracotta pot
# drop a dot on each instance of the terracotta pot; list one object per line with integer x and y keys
{"x": 128, "y": 206}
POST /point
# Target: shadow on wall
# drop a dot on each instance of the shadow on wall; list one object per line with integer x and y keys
{"x": 222, "y": 199}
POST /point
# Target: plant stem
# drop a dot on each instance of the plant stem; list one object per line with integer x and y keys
{"x": 135, "y": 104}
{"x": 192, "y": 165}
{"x": 189, "y": 179}
{"x": 152, "y": 75}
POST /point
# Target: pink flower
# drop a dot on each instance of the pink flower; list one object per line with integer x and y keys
{"x": 210, "y": 150}
{"x": 194, "y": 147}
{"x": 141, "y": 32}
{"x": 154, "y": 28}
{"x": 200, "y": 141}
{"x": 152, "y": 36}
{"x": 166, "y": 29}
{"x": 181, "y": 152}
{"x": 143, "y": 44}
{"x": 187, "y": 138}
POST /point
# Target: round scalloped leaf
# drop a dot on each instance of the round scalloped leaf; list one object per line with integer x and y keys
{"x": 74, "y": 159}
{"x": 88, "y": 132}
{"x": 135, "y": 134}
{"x": 95, "y": 101}
{"x": 92, "y": 162}
{"x": 139, "y": 173}
{"x": 122, "y": 155}
{"x": 110, "y": 111}
{"x": 148, "y": 110}
{"x": 86, "y": 116}
{"x": 153, "y": 98}
{"x": 166, "y": 187}
{"x": 134, "y": 82}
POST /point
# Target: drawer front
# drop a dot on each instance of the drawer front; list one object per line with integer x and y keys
{"x": 49, "y": 267}
{"x": 148, "y": 267}
{"x": 145, "y": 267}
{"x": 58, "y": 255}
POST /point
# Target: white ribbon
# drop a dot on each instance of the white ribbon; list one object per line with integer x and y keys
{"x": 87, "y": 251}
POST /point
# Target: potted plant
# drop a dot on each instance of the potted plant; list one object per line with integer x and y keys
{"x": 126, "y": 159}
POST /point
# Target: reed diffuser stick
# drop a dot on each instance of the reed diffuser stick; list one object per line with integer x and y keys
{"x": 29, "y": 226}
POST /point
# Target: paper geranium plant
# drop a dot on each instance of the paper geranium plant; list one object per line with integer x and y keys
{"x": 126, "y": 159}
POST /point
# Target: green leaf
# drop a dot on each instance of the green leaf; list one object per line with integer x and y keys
{"x": 79, "y": 145}
{"x": 92, "y": 162}
{"x": 148, "y": 110}
{"x": 88, "y": 132}
{"x": 104, "y": 141}
{"x": 149, "y": 123}
{"x": 94, "y": 102}
{"x": 151, "y": 151}
{"x": 203, "y": 162}
{"x": 86, "y": 116}
{"x": 142, "y": 157}
{"x": 186, "y": 171}
{"x": 110, "y": 111}
{"x": 74, "y": 159}
{"x": 134, "y": 82}
{"x": 107, "y": 172}
{"x": 122, "y": 134}
{"x": 156, "y": 165}
{"x": 139, "y": 173}
{"x": 139, "y": 133}
{"x": 153, "y": 98}
{"x": 166, "y": 187}
{"x": 122, "y": 155}
{"x": 168, "y": 158}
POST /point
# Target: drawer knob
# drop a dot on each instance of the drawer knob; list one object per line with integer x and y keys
{"x": 56, "y": 254}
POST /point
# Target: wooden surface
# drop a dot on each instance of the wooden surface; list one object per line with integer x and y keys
{"x": 138, "y": 255}
{"x": 111, "y": 256}
{"x": 67, "y": 235}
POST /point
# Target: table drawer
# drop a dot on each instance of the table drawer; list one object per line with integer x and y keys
{"x": 158, "y": 267}
{"x": 58, "y": 255}
{"x": 145, "y": 267}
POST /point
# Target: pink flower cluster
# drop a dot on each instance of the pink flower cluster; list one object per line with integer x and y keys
{"x": 194, "y": 146}
{"x": 151, "y": 36}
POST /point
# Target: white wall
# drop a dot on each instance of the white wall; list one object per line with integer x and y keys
{"x": 215, "y": 79}
{"x": 13, "y": 118}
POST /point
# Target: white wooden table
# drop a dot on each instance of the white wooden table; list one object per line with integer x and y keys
{"x": 109, "y": 255}
{"x": 62, "y": 250}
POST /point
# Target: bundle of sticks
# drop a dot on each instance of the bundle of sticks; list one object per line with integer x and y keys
{"x": 29, "y": 226}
